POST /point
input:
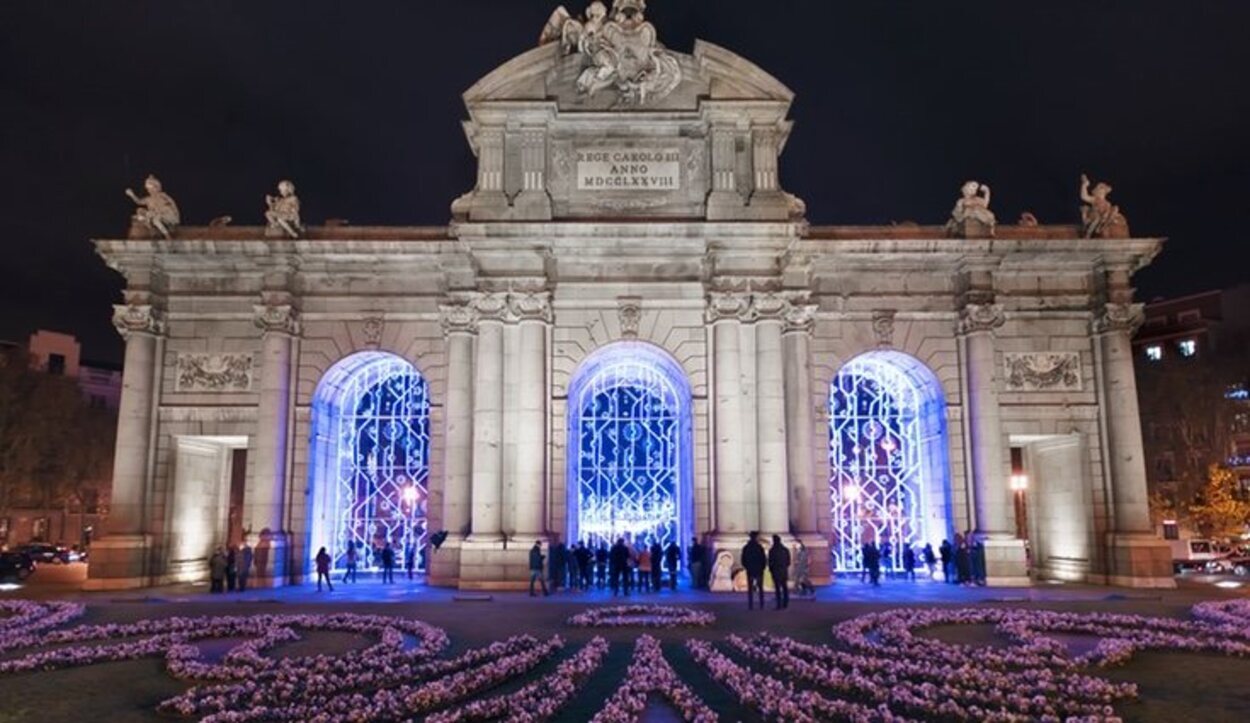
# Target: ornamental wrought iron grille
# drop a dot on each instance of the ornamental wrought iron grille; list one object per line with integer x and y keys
{"x": 382, "y": 462}
{"x": 629, "y": 432}
{"x": 876, "y": 460}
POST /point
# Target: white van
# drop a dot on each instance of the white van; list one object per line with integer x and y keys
{"x": 1195, "y": 554}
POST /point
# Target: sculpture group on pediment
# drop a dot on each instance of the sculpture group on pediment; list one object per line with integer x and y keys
{"x": 1099, "y": 217}
{"x": 282, "y": 214}
{"x": 620, "y": 49}
{"x": 156, "y": 211}
{"x": 972, "y": 217}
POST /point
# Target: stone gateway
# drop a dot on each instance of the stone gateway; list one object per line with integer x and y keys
{"x": 627, "y": 330}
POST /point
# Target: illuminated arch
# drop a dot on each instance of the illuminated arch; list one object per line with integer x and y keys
{"x": 369, "y": 459}
{"x": 889, "y": 477}
{"x": 630, "y": 447}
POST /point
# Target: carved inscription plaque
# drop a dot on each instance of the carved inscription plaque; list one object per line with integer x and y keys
{"x": 629, "y": 169}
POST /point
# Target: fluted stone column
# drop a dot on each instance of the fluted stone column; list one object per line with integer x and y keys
{"x": 533, "y": 312}
{"x": 487, "y": 516}
{"x": 119, "y": 559}
{"x": 724, "y": 313}
{"x": 1138, "y": 558}
{"x": 1006, "y": 563}
{"x": 796, "y": 340}
{"x": 265, "y": 495}
{"x": 459, "y": 325}
{"x": 771, "y": 427}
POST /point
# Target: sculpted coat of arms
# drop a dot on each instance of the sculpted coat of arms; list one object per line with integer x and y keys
{"x": 620, "y": 49}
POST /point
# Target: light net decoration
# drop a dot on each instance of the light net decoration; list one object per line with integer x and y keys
{"x": 629, "y": 434}
{"x": 382, "y": 447}
{"x": 876, "y": 412}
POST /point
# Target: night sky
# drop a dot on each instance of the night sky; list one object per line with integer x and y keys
{"x": 359, "y": 104}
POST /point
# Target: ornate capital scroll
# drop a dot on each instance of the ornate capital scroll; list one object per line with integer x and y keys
{"x": 458, "y": 318}
{"x": 372, "y": 326}
{"x": 883, "y": 326}
{"x": 728, "y": 306}
{"x": 977, "y": 318}
{"x": 533, "y": 306}
{"x": 800, "y": 319}
{"x": 629, "y": 311}
{"x": 277, "y": 319}
{"x": 769, "y": 307}
{"x": 138, "y": 319}
{"x": 1113, "y": 318}
{"x": 491, "y": 307}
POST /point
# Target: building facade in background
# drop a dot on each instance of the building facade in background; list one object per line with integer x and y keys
{"x": 627, "y": 330}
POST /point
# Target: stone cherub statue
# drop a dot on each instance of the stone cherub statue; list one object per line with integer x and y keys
{"x": 621, "y": 49}
{"x": 1099, "y": 217}
{"x": 283, "y": 213}
{"x": 156, "y": 211}
{"x": 972, "y": 217}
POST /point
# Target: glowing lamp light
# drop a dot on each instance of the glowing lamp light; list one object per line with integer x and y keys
{"x": 410, "y": 494}
{"x": 851, "y": 492}
{"x": 1019, "y": 482}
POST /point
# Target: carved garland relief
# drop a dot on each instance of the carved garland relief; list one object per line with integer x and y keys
{"x": 214, "y": 373}
{"x": 1043, "y": 371}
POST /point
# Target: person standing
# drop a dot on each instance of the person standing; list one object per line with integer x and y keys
{"x": 352, "y": 561}
{"x": 586, "y": 561}
{"x": 601, "y": 565}
{"x": 887, "y": 558}
{"x": 978, "y": 561}
{"x": 946, "y": 553}
{"x": 697, "y": 554}
{"x": 963, "y": 560}
{"x": 217, "y": 571}
{"x": 644, "y": 569}
{"x": 872, "y": 561}
{"x": 803, "y": 571}
{"x": 557, "y": 566}
{"x": 864, "y": 553}
{"x": 631, "y": 570}
{"x": 930, "y": 560}
{"x": 672, "y": 560}
{"x": 245, "y": 565}
{"x": 388, "y": 563}
{"x": 536, "y": 568}
{"x": 232, "y": 569}
{"x": 754, "y": 561}
{"x": 657, "y": 565}
{"x": 410, "y": 559}
{"x": 618, "y": 566}
{"x": 909, "y": 563}
{"x": 575, "y": 568}
{"x": 323, "y": 569}
{"x": 779, "y": 566}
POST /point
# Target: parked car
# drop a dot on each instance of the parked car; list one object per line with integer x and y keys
{"x": 1238, "y": 564}
{"x": 46, "y": 552}
{"x": 1196, "y": 554}
{"x": 16, "y": 565}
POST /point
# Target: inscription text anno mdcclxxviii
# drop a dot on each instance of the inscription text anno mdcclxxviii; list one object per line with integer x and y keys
{"x": 628, "y": 169}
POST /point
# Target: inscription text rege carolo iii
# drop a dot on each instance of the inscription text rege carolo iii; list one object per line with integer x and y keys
{"x": 627, "y": 169}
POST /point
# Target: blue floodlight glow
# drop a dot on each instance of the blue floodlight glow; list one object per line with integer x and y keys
{"x": 630, "y": 461}
{"x": 370, "y": 465}
{"x": 887, "y": 457}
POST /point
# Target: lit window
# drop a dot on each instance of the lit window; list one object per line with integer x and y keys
{"x": 1154, "y": 352}
{"x": 1188, "y": 348}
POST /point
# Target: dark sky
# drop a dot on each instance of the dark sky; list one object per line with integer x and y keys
{"x": 359, "y": 103}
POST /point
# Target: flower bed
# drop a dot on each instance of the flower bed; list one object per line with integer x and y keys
{"x": 1224, "y": 612}
{"x": 642, "y": 616}
{"x": 649, "y": 673}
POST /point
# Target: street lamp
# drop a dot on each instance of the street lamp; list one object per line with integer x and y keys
{"x": 1019, "y": 482}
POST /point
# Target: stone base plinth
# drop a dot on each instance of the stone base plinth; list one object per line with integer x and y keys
{"x": 445, "y": 564}
{"x": 1006, "y": 563}
{"x": 119, "y": 562}
{"x": 1141, "y": 561}
{"x": 271, "y": 564}
{"x": 495, "y": 565}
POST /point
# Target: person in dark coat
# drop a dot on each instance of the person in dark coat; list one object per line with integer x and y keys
{"x": 963, "y": 560}
{"x": 245, "y": 565}
{"x": 586, "y": 562}
{"x": 947, "y": 554}
{"x": 909, "y": 563}
{"x": 601, "y": 565}
{"x": 536, "y": 568}
{"x": 872, "y": 563}
{"x": 323, "y": 569}
{"x": 754, "y": 561}
{"x": 619, "y": 566}
{"x": 388, "y": 563}
{"x": 672, "y": 559}
{"x": 978, "y": 561}
{"x": 217, "y": 571}
{"x": 232, "y": 569}
{"x": 697, "y": 556}
{"x": 410, "y": 559}
{"x": 657, "y": 565}
{"x": 863, "y": 552}
{"x": 930, "y": 559}
{"x": 887, "y": 558}
{"x": 558, "y": 565}
{"x": 779, "y": 566}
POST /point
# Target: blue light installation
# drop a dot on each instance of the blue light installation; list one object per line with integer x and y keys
{"x": 630, "y": 428}
{"x": 886, "y": 448}
{"x": 372, "y": 415}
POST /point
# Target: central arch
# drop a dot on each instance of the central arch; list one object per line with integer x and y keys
{"x": 889, "y": 476}
{"x": 630, "y": 447}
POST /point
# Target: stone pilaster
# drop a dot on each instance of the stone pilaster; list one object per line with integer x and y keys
{"x": 265, "y": 496}
{"x": 487, "y": 516}
{"x": 533, "y": 314}
{"x": 771, "y": 422}
{"x": 724, "y": 313}
{"x": 120, "y": 558}
{"x": 796, "y": 340}
{"x": 489, "y": 201}
{"x": 1006, "y": 562}
{"x": 725, "y": 201}
{"x": 459, "y": 327}
{"x": 533, "y": 203}
{"x": 1137, "y": 557}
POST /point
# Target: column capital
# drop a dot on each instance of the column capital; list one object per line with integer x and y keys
{"x": 138, "y": 319}
{"x": 458, "y": 318}
{"x": 530, "y": 306}
{"x": 490, "y": 306}
{"x": 800, "y": 318}
{"x": 769, "y": 307}
{"x": 979, "y": 318}
{"x": 728, "y": 306}
{"x": 277, "y": 319}
{"x": 1116, "y": 318}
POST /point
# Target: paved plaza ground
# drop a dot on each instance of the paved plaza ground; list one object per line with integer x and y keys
{"x": 1172, "y": 686}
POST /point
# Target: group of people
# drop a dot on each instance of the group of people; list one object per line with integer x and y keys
{"x": 963, "y": 563}
{"x": 229, "y": 568}
{"x": 622, "y": 567}
{"x": 384, "y": 558}
{"x": 778, "y": 562}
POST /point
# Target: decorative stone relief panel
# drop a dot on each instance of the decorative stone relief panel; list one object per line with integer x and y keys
{"x": 214, "y": 373}
{"x": 1043, "y": 371}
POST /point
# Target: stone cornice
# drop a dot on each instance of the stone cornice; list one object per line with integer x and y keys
{"x": 138, "y": 319}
